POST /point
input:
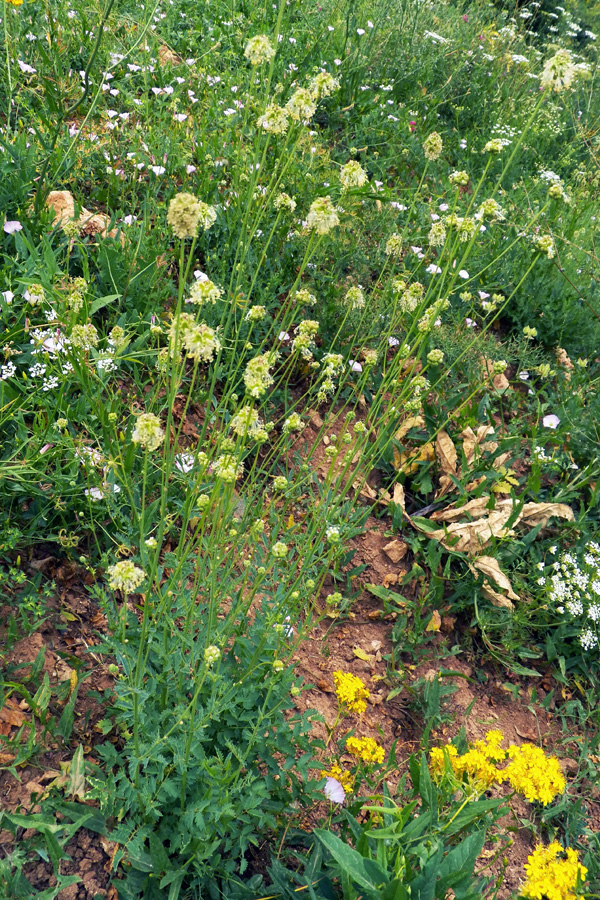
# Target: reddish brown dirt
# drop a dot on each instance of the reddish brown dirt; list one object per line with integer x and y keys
{"x": 69, "y": 633}
{"x": 356, "y": 642}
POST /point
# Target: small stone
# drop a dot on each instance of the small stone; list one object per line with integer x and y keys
{"x": 396, "y": 550}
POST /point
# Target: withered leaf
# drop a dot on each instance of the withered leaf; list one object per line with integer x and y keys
{"x": 534, "y": 513}
{"x": 490, "y": 567}
{"x": 435, "y": 623}
{"x": 446, "y": 452}
{"x": 411, "y": 422}
{"x": 496, "y": 598}
{"x": 408, "y": 461}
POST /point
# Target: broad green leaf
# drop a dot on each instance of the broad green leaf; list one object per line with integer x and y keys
{"x": 76, "y": 785}
{"x": 42, "y": 695}
{"x": 101, "y": 302}
{"x": 353, "y": 864}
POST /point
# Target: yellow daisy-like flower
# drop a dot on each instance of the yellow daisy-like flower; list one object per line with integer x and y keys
{"x": 351, "y": 691}
{"x": 15, "y": 2}
{"x": 553, "y": 874}
{"x": 344, "y": 778}
{"x": 533, "y": 774}
{"x": 366, "y": 749}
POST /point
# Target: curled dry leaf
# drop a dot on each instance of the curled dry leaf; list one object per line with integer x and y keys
{"x": 535, "y": 513}
{"x": 398, "y": 497}
{"x": 446, "y": 452}
{"x": 471, "y": 537}
{"x": 446, "y": 484}
{"x": 168, "y": 56}
{"x": 473, "y": 442}
{"x": 63, "y": 204}
{"x": 496, "y": 598}
{"x": 411, "y": 422}
{"x": 490, "y": 567}
{"x": 501, "y": 383}
{"x": 474, "y": 508}
{"x": 408, "y": 461}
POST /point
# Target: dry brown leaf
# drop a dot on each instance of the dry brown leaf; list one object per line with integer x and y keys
{"x": 476, "y": 442}
{"x": 490, "y": 567}
{"x": 446, "y": 452}
{"x": 473, "y": 485}
{"x": 500, "y": 460}
{"x": 398, "y": 497}
{"x": 446, "y": 484}
{"x": 501, "y": 383}
{"x": 396, "y": 550}
{"x": 33, "y": 787}
{"x": 367, "y": 492}
{"x": 469, "y": 443}
{"x": 488, "y": 446}
{"x": 497, "y": 599}
{"x": 408, "y": 461}
{"x": 471, "y": 537}
{"x": 483, "y": 431}
{"x": 474, "y": 508}
{"x": 63, "y": 204}
{"x": 411, "y": 422}
{"x": 388, "y": 580}
{"x": 167, "y": 56}
{"x": 535, "y": 513}
{"x": 10, "y": 716}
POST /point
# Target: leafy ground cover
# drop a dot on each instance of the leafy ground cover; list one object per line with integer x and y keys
{"x": 300, "y": 573}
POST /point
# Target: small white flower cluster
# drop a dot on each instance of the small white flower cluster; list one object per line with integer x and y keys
{"x": 203, "y": 292}
{"x": 257, "y": 376}
{"x": 306, "y": 332}
{"x": 332, "y": 365}
{"x": 247, "y": 423}
{"x": 574, "y": 588}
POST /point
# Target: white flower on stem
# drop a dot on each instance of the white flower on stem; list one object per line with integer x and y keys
{"x": 551, "y": 421}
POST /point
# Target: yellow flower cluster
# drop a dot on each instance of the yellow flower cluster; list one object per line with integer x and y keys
{"x": 366, "y": 749}
{"x": 530, "y": 772}
{"x": 477, "y": 763}
{"x": 533, "y": 774}
{"x": 351, "y": 691}
{"x": 553, "y": 873}
{"x": 344, "y": 778}
{"x": 16, "y": 2}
